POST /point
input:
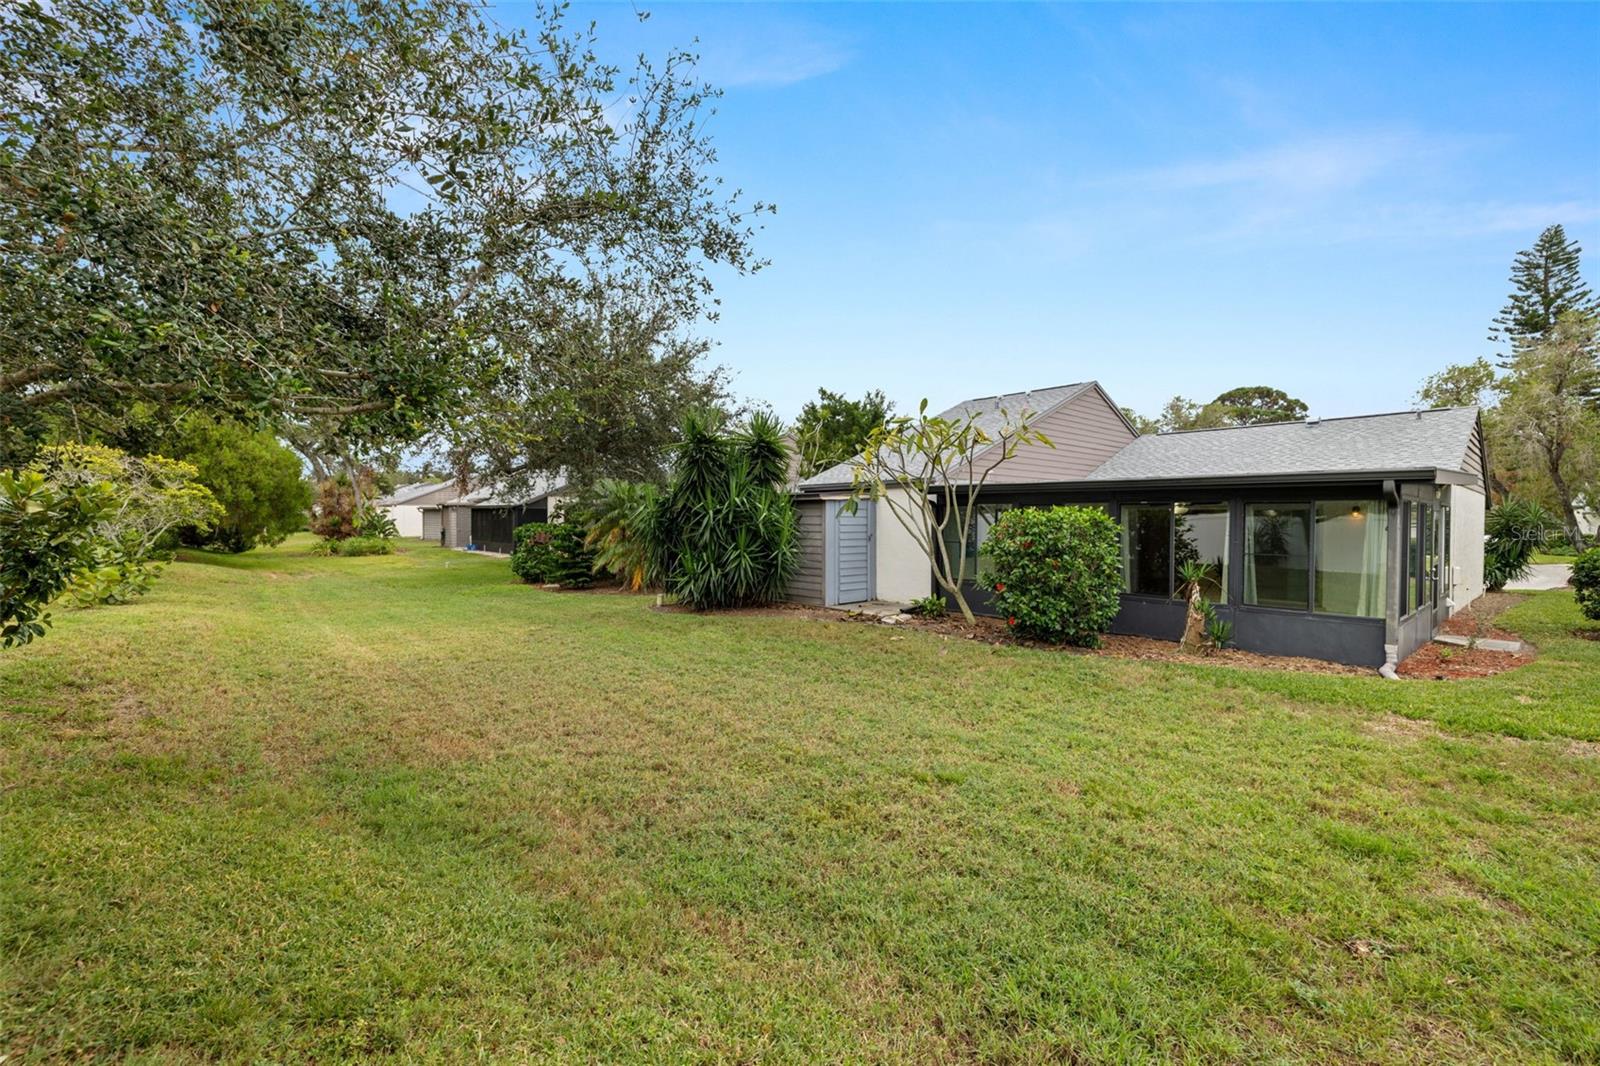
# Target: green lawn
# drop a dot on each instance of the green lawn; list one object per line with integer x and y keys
{"x": 1548, "y": 557}
{"x": 291, "y": 808}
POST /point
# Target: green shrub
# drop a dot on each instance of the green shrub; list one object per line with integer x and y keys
{"x": 1055, "y": 572}
{"x": 573, "y": 562}
{"x": 929, "y": 607}
{"x": 365, "y": 545}
{"x": 47, "y": 540}
{"x": 1586, "y": 580}
{"x": 353, "y": 546}
{"x": 533, "y": 558}
{"x": 1515, "y": 529}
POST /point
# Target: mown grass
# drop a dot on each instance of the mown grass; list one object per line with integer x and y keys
{"x": 292, "y": 808}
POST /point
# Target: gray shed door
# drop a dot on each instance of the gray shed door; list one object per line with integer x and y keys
{"x": 850, "y": 538}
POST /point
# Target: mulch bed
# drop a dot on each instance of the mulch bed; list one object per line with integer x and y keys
{"x": 1446, "y": 662}
{"x": 1115, "y": 646}
{"x": 1477, "y": 620}
{"x": 1449, "y": 662}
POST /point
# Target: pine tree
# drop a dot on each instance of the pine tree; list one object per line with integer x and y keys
{"x": 1546, "y": 284}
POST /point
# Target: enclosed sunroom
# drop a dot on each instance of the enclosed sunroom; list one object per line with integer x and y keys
{"x": 1347, "y": 539}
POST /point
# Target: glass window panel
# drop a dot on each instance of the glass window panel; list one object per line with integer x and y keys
{"x": 1147, "y": 549}
{"x": 1430, "y": 555}
{"x": 1277, "y": 555}
{"x": 983, "y": 520}
{"x": 1352, "y": 548}
{"x": 1200, "y": 533}
{"x": 1413, "y": 557}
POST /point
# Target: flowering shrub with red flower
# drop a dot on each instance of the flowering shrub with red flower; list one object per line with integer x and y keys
{"x": 1055, "y": 572}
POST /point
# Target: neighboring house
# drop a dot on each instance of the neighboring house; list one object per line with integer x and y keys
{"x": 1347, "y": 539}
{"x": 484, "y": 519}
{"x": 1588, "y": 515}
{"x": 404, "y": 505}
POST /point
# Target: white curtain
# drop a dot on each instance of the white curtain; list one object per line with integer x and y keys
{"x": 1374, "y": 556}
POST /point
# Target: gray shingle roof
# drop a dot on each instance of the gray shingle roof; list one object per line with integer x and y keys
{"x": 993, "y": 412}
{"x": 410, "y": 492}
{"x": 496, "y": 496}
{"x": 1406, "y": 440}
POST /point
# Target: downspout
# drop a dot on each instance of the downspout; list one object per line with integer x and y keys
{"x": 1391, "y": 607}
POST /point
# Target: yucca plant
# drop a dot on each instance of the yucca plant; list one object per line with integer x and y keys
{"x": 1515, "y": 529}
{"x": 723, "y": 534}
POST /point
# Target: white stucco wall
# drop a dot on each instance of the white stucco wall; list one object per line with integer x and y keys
{"x": 1466, "y": 546}
{"x": 903, "y": 573}
{"x": 407, "y": 519}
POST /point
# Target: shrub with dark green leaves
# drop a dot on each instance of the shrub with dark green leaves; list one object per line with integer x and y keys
{"x": 1586, "y": 581}
{"x": 573, "y": 562}
{"x": 1055, "y": 572}
{"x": 533, "y": 558}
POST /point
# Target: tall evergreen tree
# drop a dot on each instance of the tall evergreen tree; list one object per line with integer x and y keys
{"x": 1546, "y": 284}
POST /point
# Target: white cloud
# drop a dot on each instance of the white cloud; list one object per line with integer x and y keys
{"x": 755, "y": 46}
{"x": 1307, "y": 165}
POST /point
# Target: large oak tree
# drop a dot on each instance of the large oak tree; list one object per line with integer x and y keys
{"x": 354, "y": 220}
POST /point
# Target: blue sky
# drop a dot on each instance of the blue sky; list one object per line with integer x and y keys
{"x": 979, "y": 198}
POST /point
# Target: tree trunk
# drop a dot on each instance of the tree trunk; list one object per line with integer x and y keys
{"x": 961, "y": 601}
{"x": 1569, "y": 517}
{"x": 1194, "y": 626}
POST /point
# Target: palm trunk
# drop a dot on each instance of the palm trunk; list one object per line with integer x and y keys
{"x": 1194, "y": 626}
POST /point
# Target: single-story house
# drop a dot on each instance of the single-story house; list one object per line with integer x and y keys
{"x": 1348, "y": 539}
{"x": 404, "y": 505}
{"x": 483, "y": 520}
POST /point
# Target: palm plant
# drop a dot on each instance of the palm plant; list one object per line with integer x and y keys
{"x": 618, "y": 517}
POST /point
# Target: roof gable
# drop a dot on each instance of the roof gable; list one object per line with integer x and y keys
{"x": 991, "y": 414}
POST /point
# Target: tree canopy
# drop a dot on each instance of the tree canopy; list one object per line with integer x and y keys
{"x": 602, "y": 395}
{"x": 353, "y": 219}
{"x": 1546, "y": 416}
{"x": 833, "y": 428}
{"x": 257, "y": 481}
{"x": 1247, "y": 405}
{"x": 1541, "y": 416}
{"x": 1460, "y": 385}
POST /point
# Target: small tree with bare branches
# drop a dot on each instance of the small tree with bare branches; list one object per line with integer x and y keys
{"x": 929, "y": 471}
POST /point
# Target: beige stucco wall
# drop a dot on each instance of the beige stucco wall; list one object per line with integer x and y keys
{"x": 407, "y": 519}
{"x": 1466, "y": 546}
{"x": 903, "y": 572}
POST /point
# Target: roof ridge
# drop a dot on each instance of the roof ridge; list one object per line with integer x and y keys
{"x": 1418, "y": 411}
{"x": 1021, "y": 392}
